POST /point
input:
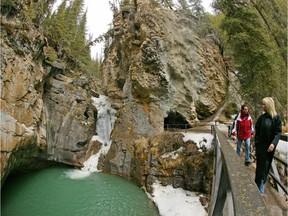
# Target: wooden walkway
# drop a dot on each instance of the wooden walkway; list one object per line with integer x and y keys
{"x": 275, "y": 202}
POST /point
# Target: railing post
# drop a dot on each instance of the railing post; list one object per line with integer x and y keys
{"x": 229, "y": 130}
{"x": 274, "y": 171}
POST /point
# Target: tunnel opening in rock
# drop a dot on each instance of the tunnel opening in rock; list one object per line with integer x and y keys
{"x": 175, "y": 120}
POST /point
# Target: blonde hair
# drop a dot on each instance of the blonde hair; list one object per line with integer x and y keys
{"x": 270, "y": 106}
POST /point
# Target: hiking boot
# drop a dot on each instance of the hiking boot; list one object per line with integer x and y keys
{"x": 247, "y": 163}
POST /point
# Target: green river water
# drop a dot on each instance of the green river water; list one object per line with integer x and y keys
{"x": 59, "y": 191}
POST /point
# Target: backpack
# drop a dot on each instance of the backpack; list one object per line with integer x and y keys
{"x": 233, "y": 125}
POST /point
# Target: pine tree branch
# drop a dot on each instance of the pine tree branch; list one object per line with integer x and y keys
{"x": 270, "y": 29}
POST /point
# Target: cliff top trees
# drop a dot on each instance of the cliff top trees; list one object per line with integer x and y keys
{"x": 67, "y": 28}
{"x": 193, "y": 7}
{"x": 28, "y": 10}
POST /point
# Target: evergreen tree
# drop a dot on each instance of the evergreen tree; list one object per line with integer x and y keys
{"x": 30, "y": 11}
{"x": 275, "y": 21}
{"x": 196, "y": 8}
{"x": 72, "y": 15}
{"x": 256, "y": 54}
{"x": 81, "y": 48}
{"x": 67, "y": 28}
{"x": 94, "y": 67}
{"x": 193, "y": 7}
{"x": 55, "y": 25}
{"x": 184, "y": 5}
{"x": 166, "y": 3}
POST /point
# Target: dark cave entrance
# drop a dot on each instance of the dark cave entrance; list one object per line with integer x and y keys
{"x": 175, "y": 120}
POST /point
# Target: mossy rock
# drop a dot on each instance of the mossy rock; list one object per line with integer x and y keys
{"x": 50, "y": 54}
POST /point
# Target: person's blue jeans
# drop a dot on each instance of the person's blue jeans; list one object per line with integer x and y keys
{"x": 247, "y": 148}
{"x": 261, "y": 187}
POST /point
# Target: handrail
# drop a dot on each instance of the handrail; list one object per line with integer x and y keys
{"x": 278, "y": 182}
{"x": 173, "y": 125}
{"x": 184, "y": 126}
{"x": 234, "y": 192}
{"x": 176, "y": 126}
{"x": 274, "y": 174}
{"x": 280, "y": 160}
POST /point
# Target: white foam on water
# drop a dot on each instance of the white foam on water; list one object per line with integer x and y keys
{"x": 77, "y": 174}
{"x": 91, "y": 164}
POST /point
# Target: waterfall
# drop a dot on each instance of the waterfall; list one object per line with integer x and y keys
{"x": 104, "y": 126}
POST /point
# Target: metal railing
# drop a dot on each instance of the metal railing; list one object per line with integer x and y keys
{"x": 274, "y": 174}
{"x": 234, "y": 192}
{"x": 184, "y": 126}
{"x": 177, "y": 127}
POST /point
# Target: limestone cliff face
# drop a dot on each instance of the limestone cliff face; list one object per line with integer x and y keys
{"x": 21, "y": 94}
{"x": 46, "y": 111}
{"x": 156, "y": 56}
{"x": 156, "y": 64}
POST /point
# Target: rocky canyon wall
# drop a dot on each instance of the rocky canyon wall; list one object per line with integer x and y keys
{"x": 46, "y": 108}
{"x": 156, "y": 63}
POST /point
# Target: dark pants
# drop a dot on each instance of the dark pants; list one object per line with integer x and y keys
{"x": 263, "y": 164}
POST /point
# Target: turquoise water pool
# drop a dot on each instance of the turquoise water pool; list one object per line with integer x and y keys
{"x": 62, "y": 191}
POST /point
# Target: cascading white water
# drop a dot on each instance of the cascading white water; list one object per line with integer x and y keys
{"x": 104, "y": 126}
{"x": 105, "y": 119}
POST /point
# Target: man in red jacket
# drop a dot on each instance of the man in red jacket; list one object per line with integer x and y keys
{"x": 244, "y": 130}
